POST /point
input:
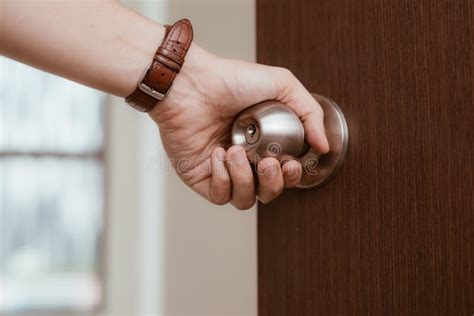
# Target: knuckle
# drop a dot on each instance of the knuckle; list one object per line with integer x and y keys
{"x": 319, "y": 110}
{"x": 221, "y": 178}
{"x": 244, "y": 205}
{"x": 291, "y": 171}
{"x": 264, "y": 200}
{"x": 267, "y": 198}
{"x": 221, "y": 200}
{"x": 248, "y": 182}
{"x": 270, "y": 192}
{"x": 234, "y": 151}
{"x": 275, "y": 190}
{"x": 286, "y": 80}
{"x": 223, "y": 182}
{"x": 285, "y": 72}
{"x": 220, "y": 193}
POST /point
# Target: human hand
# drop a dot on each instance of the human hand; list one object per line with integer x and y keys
{"x": 196, "y": 117}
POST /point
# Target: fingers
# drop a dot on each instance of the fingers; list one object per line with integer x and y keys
{"x": 295, "y": 95}
{"x": 220, "y": 186}
{"x": 232, "y": 178}
{"x": 243, "y": 187}
{"x": 270, "y": 179}
{"x": 273, "y": 178}
{"x": 292, "y": 172}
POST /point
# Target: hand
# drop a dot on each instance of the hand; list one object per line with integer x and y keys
{"x": 109, "y": 49}
{"x": 196, "y": 117}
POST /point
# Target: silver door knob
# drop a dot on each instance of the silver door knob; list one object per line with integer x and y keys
{"x": 271, "y": 129}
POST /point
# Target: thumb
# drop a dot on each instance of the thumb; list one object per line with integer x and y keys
{"x": 255, "y": 83}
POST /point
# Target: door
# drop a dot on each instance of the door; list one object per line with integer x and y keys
{"x": 392, "y": 233}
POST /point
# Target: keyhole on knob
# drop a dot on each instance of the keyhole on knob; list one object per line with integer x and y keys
{"x": 252, "y": 134}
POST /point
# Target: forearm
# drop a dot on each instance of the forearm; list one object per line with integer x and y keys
{"x": 104, "y": 44}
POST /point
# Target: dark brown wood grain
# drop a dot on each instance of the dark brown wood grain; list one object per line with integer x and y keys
{"x": 392, "y": 233}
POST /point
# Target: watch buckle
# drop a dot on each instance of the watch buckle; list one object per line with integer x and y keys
{"x": 148, "y": 90}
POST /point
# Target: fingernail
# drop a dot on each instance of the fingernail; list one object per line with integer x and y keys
{"x": 292, "y": 170}
{"x": 270, "y": 170}
{"x": 221, "y": 154}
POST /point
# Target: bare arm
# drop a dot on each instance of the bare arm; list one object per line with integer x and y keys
{"x": 104, "y": 45}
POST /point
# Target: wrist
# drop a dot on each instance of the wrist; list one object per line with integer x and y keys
{"x": 141, "y": 45}
{"x": 155, "y": 82}
{"x": 190, "y": 84}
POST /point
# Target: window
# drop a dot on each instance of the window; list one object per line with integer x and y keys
{"x": 52, "y": 187}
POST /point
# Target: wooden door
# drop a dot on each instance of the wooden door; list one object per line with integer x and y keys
{"x": 392, "y": 233}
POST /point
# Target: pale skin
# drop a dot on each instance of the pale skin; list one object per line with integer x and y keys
{"x": 105, "y": 45}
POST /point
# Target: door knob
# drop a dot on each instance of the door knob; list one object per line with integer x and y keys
{"x": 271, "y": 129}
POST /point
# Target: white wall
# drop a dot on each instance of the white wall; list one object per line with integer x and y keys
{"x": 170, "y": 252}
{"x": 211, "y": 251}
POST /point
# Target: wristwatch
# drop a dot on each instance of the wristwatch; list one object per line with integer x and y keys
{"x": 157, "y": 79}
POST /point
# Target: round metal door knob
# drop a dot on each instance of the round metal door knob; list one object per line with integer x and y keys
{"x": 271, "y": 129}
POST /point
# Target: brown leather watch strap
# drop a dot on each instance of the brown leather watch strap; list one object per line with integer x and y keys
{"x": 156, "y": 81}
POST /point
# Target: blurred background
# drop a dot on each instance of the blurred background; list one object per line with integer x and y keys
{"x": 93, "y": 221}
